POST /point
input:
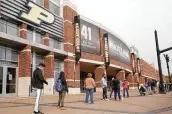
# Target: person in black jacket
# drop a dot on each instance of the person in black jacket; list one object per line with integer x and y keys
{"x": 116, "y": 88}
{"x": 62, "y": 93}
{"x": 37, "y": 82}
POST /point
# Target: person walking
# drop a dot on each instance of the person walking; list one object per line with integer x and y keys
{"x": 62, "y": 88}
{"x": 104, "y": 87}
{"x": 37, "y": 83}
{"x": 116, "y": 87}
{"x": 89, "y": 86}
{"x": 125, "y": 88}
{"x": 112, "y": 90}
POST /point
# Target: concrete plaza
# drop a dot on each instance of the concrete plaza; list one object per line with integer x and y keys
{"x": 135, "y": 104}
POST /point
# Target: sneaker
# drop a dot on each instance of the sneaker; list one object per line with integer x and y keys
{"x": 107, "y": 99}
{"x": 38, "y": 112}
{"x": 58, "y": 107}
{"x": 63, "y": 108}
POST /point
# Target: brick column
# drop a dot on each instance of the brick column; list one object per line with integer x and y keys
{"x": 46, "y": 4}
{"x": 130, "y": 79}
{"x": 46, "y": 35}
{"x": 49, "y": 73}
{"x": 121, "y": 75}
{"x": 24, "y": 65}
{"x": 46, "y": 39}
{"x": 71, "y": 69}
{"x": 99, "y": 71}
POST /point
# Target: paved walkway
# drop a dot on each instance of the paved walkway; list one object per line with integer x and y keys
{"x": 153, "y": 104}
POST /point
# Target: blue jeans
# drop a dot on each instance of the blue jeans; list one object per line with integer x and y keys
{"x": 89, "y": 92}
{"x": 125, "y": 90}
{"x": 117, "y": 91}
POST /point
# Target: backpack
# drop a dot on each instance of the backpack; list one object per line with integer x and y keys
{"x": 59, "y": 85}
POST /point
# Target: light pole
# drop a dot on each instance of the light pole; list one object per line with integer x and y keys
{"x": 167, "y": 62}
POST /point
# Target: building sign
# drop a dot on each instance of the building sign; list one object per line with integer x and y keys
{"x": 90, "y": 41}
{"x": 106, "y": 49}
{"x": 37, "y": 14}
{"x": 118, "y": 50}
{"x": 26, "y": 11}
{"x": 77, "y": 38}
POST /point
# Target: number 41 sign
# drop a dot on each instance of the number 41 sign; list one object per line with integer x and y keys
{"x": 86, "y": 32}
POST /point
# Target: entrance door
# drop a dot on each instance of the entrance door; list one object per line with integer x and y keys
{"x": 1, "y": 80}
{"x": 8, "y": 78}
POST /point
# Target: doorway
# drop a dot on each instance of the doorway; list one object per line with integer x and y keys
{"x": 8, "y": 81}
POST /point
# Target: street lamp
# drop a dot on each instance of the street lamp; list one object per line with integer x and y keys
{"x": 167, "y": 62}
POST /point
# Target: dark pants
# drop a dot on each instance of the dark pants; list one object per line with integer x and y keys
{"x": 111, "y": 93}
{"x": 117, "y": 91}
{"x": 105, "y": 93}
{"x": 89, "y": 92}
{"x": 125, "y": 90}
{"x": 62, "y": 95}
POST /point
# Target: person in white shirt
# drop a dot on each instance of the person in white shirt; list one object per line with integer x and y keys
{"x": 104, "y": 87}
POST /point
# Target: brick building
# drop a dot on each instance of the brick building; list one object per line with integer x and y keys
{"x": 54, "y": 35}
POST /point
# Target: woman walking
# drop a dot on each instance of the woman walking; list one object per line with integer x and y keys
{"x": 61, "y": 87}
{"x": 89, "y": 88}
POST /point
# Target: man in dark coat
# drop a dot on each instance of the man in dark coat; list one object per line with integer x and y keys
{"x": 38, "y": 83}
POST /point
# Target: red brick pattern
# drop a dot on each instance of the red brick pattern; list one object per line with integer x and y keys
{"x": 23, "y": 31}
{"x": 49, "y": 63}
{"x": 25, "y": 62}
{"x": 91, "y": 56}
{"x": 99, "y": 71}
{"x": 46, "y": 4}
{"x": 46, "y": 39}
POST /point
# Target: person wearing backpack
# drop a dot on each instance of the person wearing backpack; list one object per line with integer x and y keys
{"x": 61, "y": 87}
{"x": 89, "y": 86}
{"x": 37, "y": 82}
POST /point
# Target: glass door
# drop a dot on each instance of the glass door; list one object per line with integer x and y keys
{"x": 11, "y": 81}
{"x": 1, "y": 80}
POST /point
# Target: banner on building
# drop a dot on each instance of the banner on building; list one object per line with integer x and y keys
{"x": 139, "y": 66}
{"x": 90, "y": 38}
{"x": 106, "y": 49}
{"x": 133, "y": 63}
{"x": 118, "y": 50}
{"x": 77, "y": 38}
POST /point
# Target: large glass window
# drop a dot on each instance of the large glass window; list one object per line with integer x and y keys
{"x": 2, "y": 53}
{"x": 8, "y": 54}
{"x": 9, "y": 28}
{"x": 12, "y": 29}
{"x": 2, "y": 26}
{"x": 39, "y": 59}
{"x": 54, "y": 43}
{"x": 40, "y": 2}
{"x": 54, "y": 8}
{"x": 30, "y": 35}
{"x": 57, "y": 68}
{"x": 39, "y": 38}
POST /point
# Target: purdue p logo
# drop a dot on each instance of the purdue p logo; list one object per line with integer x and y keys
{"x": 37, "y": 14}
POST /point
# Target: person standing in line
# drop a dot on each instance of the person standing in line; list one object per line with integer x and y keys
{"x": 116, "y": 87}
{"x": 104, "y": 87}
{"x": 125, "y": 88}
{"x": 89, "y": 86}
{"x": 112, "y": 90}
{"x": 149, "y": 87}
{"x": 128, "y": 84}
{"x": 121, "y": 89}
{"x": 61, "y": 83}
{"x": 37, "y": 82}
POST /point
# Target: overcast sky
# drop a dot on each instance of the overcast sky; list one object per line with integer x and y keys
{"x": 135, "y": 21}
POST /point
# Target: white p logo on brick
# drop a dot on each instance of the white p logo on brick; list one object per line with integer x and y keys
{"x": 37, "y": 14}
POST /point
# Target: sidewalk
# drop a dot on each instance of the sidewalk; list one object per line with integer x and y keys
{"x": 135, "y": 104}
